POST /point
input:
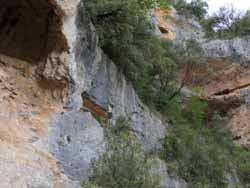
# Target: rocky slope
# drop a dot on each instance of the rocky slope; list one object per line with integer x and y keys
{"x": 47, "y": 136}
{"x": 224, "y": 78}
{"x": 55, "y": 81}
{"x": 180, "y": 29}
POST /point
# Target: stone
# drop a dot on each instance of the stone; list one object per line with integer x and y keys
{"x": 246, "y": 94}
{"x": 159, "y": 168}
{"x": 97, "y": 75}
{"x": 185, "y": 28}
{"x": 237, "y": 49}
{"x": 76, "y": 139}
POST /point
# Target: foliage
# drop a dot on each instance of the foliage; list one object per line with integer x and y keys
{"x": 242, "y": 163}
{"x": 197, "y": 8}
{"x": 87, "y": 184}
{"x": 126, "y": 37}
{"x": 123, "y": 165}
{"x": 153, "y": 3}
{"x": 190, "y": 54}
{"x": 241, "y": 27}
{"x": 227, "y": 23}
{"x": 202, "y": 155}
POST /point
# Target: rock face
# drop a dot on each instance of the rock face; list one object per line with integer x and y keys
{"x": 159, "y": 168}
{"x": 26, "y": 109}
{"x": 95, "y": 74}
{"x": 228, "y": 93}
{"x": 47, "y": 139}
{"x": 237, "y": 49}
{"x": 181, "y": 29}
{"x": 49, "y": 59}
{"x": 17, "y": 34}
{"x": 224, "y": 78}
{"x": 226, "y": 88}
{"x": 76, "y": 139}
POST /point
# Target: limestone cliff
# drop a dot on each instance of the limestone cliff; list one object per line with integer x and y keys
{"x": 55, "y": 81}
{"x": 223, "y": 77}
{"x": 49, "y": 58}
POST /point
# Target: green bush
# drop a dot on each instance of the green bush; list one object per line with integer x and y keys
{"x": 242, "y": 163}
{"x": 202, "y": 155}
{"x": 123, "y": 165}
{"x": 241, "y": 26}
{"x": 126, "y": 37}
{"x": 197, "y": 8}
{"x": 125, "y": 33}
{"x": 227, "y": 24}
{"x": 193, "y": 148}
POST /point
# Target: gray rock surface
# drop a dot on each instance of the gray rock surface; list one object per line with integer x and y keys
{"x": 186, "y": 28}
{"x": 76, "y": 137}
{"x": 96, "y": 74}
{"x": 159, "y": 168}
{"x": 238, "y": 49}
{"x": 58, "y": 153}
{"x": 246, "y": 95}
{"x": 76, "y": 140}
{"x": 183, "y": 29}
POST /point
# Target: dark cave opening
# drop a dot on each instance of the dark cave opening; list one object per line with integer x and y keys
{"x": 28, "y": 29}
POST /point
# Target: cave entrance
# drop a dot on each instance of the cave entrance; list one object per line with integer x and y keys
{"x": 28, "y": 29}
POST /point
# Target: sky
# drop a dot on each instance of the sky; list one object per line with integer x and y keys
{"x": 240, "y": 5}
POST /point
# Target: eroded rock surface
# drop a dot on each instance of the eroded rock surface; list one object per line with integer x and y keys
{"x": 30, "y": 30}
{"x": 76, "y": 140}
{"x": 181, "y": 28}
{"x": 25, "y": 113}
{"x": 97, "y": 75}
{"x": 224, "y": 78}
{"x": 168, "y": 180}
{"x": 228, "y": 93}
{"x": 237, "y": 49}
{"x": 226, "y": 88}
{"x": 47, "y": 138}
{"x": 30, "y": 94}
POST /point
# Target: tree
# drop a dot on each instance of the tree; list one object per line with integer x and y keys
{"x": 123, "y": 165}
{"x": 227, "y": 23}
{"x": 197, "y": 8}
{"x": 190, "y": 54}
{"x": 126, "y": 37}
{"x": 241, "y": 26}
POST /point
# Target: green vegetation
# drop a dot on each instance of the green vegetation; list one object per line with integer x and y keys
{"x": 126, "y": 37}
{"x": 196, "y": 8}
{"x": 125, "y": 33}
{"x": 202, "y": 155}
{"x": 227, "y": 24}
{"x": 123, "y": 165}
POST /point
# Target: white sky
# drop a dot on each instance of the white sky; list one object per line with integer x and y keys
{"x": 241, "y": 5}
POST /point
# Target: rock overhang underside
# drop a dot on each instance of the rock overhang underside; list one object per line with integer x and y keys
{"x": 45, "y": 58}
{"x": 30, "y": 30}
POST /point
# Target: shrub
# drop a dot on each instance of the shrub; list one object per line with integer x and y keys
{"x": 126, "y": 37}
{"x": 87, "y": 184}
{"x": 123, "y": 165}
{"x": 241, "y": 26}
{"x": 242, "y": 163}
{"x": 125, "y": 33}
{"x": 202, "y": 155}
{"x": 227, "y": 24}
{"x": 196, "y": 8}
